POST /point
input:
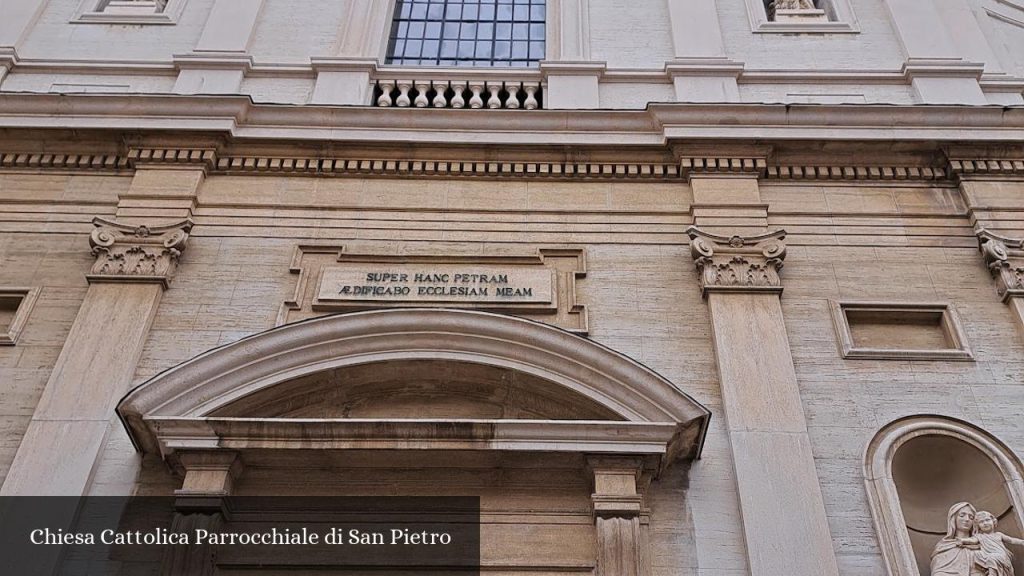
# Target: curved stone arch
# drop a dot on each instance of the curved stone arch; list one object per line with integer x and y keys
{"x": 883, "y": 498}
{"x": 214, "y": 379}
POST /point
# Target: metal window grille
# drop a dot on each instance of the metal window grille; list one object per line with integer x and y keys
{"x": 467, "y": 33}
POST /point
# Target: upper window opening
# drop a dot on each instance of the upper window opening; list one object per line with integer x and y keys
{"x": 467, "y": 33}
{"x": 132, "y": 6}
{"x": 798, "y": 10}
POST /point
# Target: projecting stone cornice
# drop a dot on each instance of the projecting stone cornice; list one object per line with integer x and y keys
{"x": 651, "y": 414}
{"x": 239, "y": 118}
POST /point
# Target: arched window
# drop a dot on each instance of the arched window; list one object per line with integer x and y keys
{"x": 916, "y": 468}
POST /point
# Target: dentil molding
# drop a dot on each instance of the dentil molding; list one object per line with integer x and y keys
{"x": 738, "y": 263}
{"x": 130, "y": 253}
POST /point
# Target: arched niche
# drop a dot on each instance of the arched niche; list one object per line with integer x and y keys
{"x": 917, "y": 467}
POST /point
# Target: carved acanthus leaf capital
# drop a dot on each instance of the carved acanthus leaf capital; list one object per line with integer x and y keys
{"x": 738, "y": 263}
{"x": 129, "y": 253}
{"x": 1005, "y": 259}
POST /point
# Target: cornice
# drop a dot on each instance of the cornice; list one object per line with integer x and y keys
{"x": 237, "y": 117}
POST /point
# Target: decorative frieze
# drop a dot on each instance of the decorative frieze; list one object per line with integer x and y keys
{"x": 1005, "y": 259}
{"x": 200, "y": 156}
{"x": 448, "y": 168}
{"x": 454, "y": 168}
{"x": 64, "y": 161}
{"x": 718, "y": 165}
{"x": 987, "y": 167}
{"x": 129, "y": 253}
{"x": 737, "y": 263}
{"x": 790, "y": 172}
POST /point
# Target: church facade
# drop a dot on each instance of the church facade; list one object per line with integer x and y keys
{"x": 689, "y": 288}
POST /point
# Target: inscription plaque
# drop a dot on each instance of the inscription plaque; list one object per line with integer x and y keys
{"x": 449, "y": 283}
{"x": 540, "y": 284}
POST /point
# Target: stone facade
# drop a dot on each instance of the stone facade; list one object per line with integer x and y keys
{"x": 725, "y": 289}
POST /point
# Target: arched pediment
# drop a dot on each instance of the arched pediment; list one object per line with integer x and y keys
{"x": 279, "y": 376}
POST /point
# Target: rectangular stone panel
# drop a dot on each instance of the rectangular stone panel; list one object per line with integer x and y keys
{"x": 436, "y": 283}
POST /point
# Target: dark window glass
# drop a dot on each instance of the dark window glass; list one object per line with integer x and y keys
{"x": 467, "y": 33}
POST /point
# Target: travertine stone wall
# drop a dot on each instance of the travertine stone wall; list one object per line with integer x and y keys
{"x": 44, "y": 243}
{"x": 895, "y": 243}
{"x": 907, "y": 241}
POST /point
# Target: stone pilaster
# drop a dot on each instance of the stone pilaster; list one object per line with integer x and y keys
{"x": 783, "y": 510}
{"x": 700, "y": 69}
{"x": 18, "y": 18}
{"x": 573, "y": 79}
{"x": 346, "y": 75}
{"x": 1005, "y": 260}
{"x": 936, "y": 69}
{"x": 220, "y": 59}
{"x": 134, "y": 265}
{"x": 209, "y": 479}
{"x": 617, "y": 505}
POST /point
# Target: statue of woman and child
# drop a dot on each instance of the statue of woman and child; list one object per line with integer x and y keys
{"x": 972, "y": 547}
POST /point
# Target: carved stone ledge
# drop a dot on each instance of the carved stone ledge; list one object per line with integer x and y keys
{"x": 127, "y": 253}
{"x": 1005, "y": 259}
{"x": 737, "y": 263}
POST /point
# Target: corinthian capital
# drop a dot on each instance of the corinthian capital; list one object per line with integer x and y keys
{"x": 127, "y": 253}
{"x": 1005, "y": 259}
{"x": 738, "y": 263}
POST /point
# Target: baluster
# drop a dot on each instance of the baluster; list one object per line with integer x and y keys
{"x": 457, "y": 100}
{"x": 439, "y": 99}
{"x": 386, "y": 87}
{"x": 531, "y": 101}
{"x": 475, "y": 101}
{"x": 494, "y": 101}
{"x": 513, "y": 95}
{"x": 421, "y": 96}
{"x": 403, "y": 94}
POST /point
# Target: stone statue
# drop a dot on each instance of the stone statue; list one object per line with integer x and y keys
{"x": 954, "y": 555}
{"x": 794, "y": 5}
{"x": 993, "y": 557}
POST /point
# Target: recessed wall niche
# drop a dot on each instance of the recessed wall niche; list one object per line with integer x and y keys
{"x": 15, "y": 306}
{"x": 899, "y": 331}
{"x": 917, "y": 468}
{"x": 934, "y": 472}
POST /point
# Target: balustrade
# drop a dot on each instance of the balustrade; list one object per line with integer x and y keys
{"x": 492, "y": 94}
